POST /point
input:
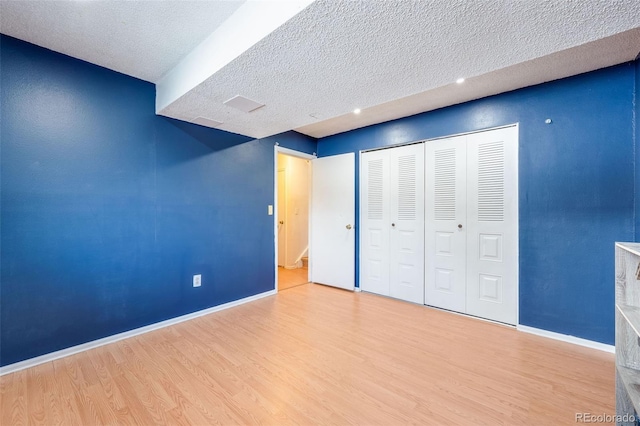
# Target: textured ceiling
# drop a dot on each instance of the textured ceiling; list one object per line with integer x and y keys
{"x": 598, "y": 54}
{"x": 318, "y": 62}
{"x": 144, "y": 39}
{"x": 335, "y": 56}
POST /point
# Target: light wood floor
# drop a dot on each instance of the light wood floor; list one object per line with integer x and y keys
{"x": 288, "y": 278}
{"x": 317, "y": 355}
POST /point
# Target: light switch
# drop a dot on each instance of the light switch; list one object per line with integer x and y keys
{"x": 270, "y": 210}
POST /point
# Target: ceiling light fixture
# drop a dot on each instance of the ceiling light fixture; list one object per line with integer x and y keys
{"x": 357, "y": 111}
{"x": 460, "y": 80}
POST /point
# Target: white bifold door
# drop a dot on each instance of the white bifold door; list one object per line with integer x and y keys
{"x": 446, "y": 215}
{"x": 471, "y": 224}
{"x": 392, "y": 222}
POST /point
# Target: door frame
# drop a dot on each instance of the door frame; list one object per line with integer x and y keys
{"x": 486, "y": 129}
{"x": 277, "y": 149}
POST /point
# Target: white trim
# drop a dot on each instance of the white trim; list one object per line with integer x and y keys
{"x": 358, "y": 242}
{"x": 294, "y": 153}
{"x": 277, "y": 149}
{"x": 488, "y": 129}
{"x": 32, "y": 362}
{"x": 566, "y": 338}
{"x": 517, "y": 219}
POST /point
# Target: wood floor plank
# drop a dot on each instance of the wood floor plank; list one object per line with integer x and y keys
{"x": 138, "y": 411}
{"x": 36, "y": 395}
{"x": 111, "y": 393}
{"x": 14, "y": 399}
{"x": 65, "y": 391}
{"x": 318, "y": 355}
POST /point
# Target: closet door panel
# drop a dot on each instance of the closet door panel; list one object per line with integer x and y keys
{"x": 375, "y": 222}
{"x": 492, "y": 237}
{"x": 407, "y": 223}
{"x": 445, "y": 223}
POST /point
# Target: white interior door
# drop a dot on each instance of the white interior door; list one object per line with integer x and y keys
{"x": 446, "y": 213}
{"x": 332, "y": 239}
{"x": 492, "y": 235}
{"x": 375, "y": 222}
{"x": 282, "y": 208}
{"x": 406, "y": 241}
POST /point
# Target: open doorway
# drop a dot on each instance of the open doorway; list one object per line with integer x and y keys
{"x": 292, "y": 218}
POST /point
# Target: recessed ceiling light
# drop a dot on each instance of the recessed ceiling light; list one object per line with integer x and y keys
{"x": 460, "y": 80}
{"x": 357, "y": 111}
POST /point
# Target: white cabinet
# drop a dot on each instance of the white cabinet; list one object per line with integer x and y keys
{"x": 627, "y": 289}
{"x": 471, "y": 224}
{"x": 392, "y": 222}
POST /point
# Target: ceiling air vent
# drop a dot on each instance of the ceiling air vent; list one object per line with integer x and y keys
{"x": 243, "y": 104}
{"x": 204, "y": 121}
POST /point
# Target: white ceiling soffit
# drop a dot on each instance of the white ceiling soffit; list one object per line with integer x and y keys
{"x": 251, "y": 23}
{"x": 144, "y": 39}
{"x": 595, "y": 55}
{"x": 392, "y": 59}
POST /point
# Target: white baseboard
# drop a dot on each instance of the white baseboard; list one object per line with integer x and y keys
{"x": 566, "y": 338}
{"x": 32, "y": 362}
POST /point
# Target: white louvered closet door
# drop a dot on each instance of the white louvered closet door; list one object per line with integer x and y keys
{"x": 407, "y": 223}
{"x": 446, "y": 216}
{"x": 375, "y": 222}
{"x": 492, "y": 235}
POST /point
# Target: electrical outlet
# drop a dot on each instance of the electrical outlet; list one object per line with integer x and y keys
{"x": 197, "y": 280}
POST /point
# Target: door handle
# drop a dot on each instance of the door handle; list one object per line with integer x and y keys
{"x": 393, "y": 224}
{"x": 281, "y": 222}
{"x": 349, "y": 226}
{"x": 459, "y": 226}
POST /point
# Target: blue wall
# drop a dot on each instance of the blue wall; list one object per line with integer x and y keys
{"x": 107, "y": 210}
{"x": 576, "y": 186}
